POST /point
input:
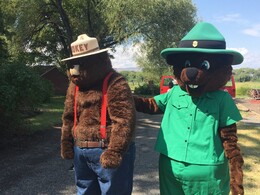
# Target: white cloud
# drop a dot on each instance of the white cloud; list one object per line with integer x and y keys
{"x": 241, "y": 50}
{"x": 251, "y": 58}
{"x": 231, "y": 18}
{"x": 253, "y": 31}
{"x": 125, "y": 56}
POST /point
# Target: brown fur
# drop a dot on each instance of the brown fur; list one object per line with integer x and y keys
{"x": 146, "y": 105}
{"x": 233, "y": 154}
{"x": 207, "y": 80}
{"x": 120, "y": 110}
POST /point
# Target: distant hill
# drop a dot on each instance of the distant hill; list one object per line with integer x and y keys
{"x": 136, "y": 69}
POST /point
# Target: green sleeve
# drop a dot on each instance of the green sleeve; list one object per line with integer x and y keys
{"x": 229, "y": 113}
{"x": 162, "y": 99}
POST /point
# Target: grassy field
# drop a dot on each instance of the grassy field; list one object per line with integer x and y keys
{"x": 243, "y": 88}
{"x": 249, "y": 141}
{"x": 50, "y": 115}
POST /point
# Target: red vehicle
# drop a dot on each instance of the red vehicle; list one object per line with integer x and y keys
{"x": 230, "y": 87}
{"x": 164, "y": 84}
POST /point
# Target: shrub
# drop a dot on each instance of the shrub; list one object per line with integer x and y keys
{"x": 147, "y": 90}
{"x": 21, "y": 91}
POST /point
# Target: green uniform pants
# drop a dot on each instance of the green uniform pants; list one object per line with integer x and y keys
{"x": 179, "y": 178}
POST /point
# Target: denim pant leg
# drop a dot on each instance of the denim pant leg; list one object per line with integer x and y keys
{"x": 85, "y": 178}
{"x": 119, "y": 181}
{"x": 92, "y": 178}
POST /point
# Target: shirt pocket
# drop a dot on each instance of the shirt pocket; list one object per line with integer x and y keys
{"x": 180, "y": 109}
{"x": 206, "y": 115}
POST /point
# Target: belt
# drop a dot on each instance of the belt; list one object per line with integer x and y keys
{"x": 91, "y": 144}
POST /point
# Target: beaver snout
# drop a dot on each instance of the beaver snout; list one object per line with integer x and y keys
{"x": 192, "y": 73}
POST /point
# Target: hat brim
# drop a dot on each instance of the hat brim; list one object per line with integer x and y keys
{"x": 237, "y": 57}
{"x": 84, "y": 55}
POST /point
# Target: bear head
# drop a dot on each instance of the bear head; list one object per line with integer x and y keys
{"x": 198, "y": 73}
{"x": 88, "y": 72}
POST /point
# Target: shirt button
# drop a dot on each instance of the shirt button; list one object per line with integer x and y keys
{"x": 185, "y": 140}
{"x": 189, "y": 128}
{"x": 190, "y": 114}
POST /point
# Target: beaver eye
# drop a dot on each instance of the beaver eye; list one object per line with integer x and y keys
{"x": 187, "y": 63}
{"x": 205, "y": 65}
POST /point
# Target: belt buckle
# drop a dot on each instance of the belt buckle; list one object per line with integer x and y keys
{"x": 102, "y": 143}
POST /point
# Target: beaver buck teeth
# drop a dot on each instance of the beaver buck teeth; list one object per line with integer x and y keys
{"x": 193, "y": 86}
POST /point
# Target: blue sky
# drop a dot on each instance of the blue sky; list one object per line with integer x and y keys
{"x": 237, "y": 20}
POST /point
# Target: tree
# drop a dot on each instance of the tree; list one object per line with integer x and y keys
{"x": 244, "y": 74}
{"x": 45, "y": 28}
{"x": 157, "y": 25}
{"x": 256, "y": 75}
{"x": 3, "y": 40}
{"x": 175, "y": 19}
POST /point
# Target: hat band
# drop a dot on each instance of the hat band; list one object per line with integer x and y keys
{"x": 203, "y": 44}
{"x": 85, "y": 52}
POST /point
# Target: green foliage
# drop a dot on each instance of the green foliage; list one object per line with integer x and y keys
{"x": 247, "y": 74}
{"x": 170, "y": 21}
{"x": 147, "y": 90}
{"x": 21, "y": 91}
{"x": 41, "y": 31}
{"x": 3, "y": 40}
{"x": 51, "y": 112}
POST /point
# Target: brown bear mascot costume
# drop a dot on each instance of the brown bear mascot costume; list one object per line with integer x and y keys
{"x": 197, "y": 141}
{"x": 98, "y": 122}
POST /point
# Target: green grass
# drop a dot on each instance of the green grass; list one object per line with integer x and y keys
{"x": 50, "y": 115}
{"x": 243, "y": 88}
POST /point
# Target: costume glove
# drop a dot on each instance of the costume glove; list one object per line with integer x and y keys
{"x": 67, "y": 151}
{"x": 110, "y": 159}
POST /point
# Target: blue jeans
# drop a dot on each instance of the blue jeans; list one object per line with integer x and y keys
{"x": 92, "y": 179}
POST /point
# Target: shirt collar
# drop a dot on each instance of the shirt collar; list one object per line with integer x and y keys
{"x": 209, "y": 95}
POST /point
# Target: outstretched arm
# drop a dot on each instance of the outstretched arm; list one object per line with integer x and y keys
{"x": 146, "y": 105}
{"x": 232, "y": 151}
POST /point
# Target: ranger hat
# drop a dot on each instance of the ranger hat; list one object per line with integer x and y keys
{"x": 203, "y": 38}
{"x": 84, "y": 46}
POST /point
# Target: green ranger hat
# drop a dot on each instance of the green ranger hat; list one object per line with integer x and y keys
{"x": 203, "y": 38}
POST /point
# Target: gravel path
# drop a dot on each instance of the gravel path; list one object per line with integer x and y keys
{"x": 33, "y": 166}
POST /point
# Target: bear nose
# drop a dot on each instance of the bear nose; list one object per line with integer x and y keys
{"x": 192, "y": 73}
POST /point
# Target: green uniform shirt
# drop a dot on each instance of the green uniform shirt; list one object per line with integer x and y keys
{"x": 189, "y": 128}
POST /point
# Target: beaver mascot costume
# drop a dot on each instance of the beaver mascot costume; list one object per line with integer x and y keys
{"x": 197, "y": 140}
{"x": 98, "y": 122}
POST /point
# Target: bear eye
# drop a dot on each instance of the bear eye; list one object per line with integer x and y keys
{"x": 187, "y": 63}
{"x": 205, "y": 65}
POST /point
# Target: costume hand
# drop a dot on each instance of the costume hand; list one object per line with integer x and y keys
{"x": 110, "y": 159}
{"x": 67, "y": 151}
{"x": 236, "y": 175}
